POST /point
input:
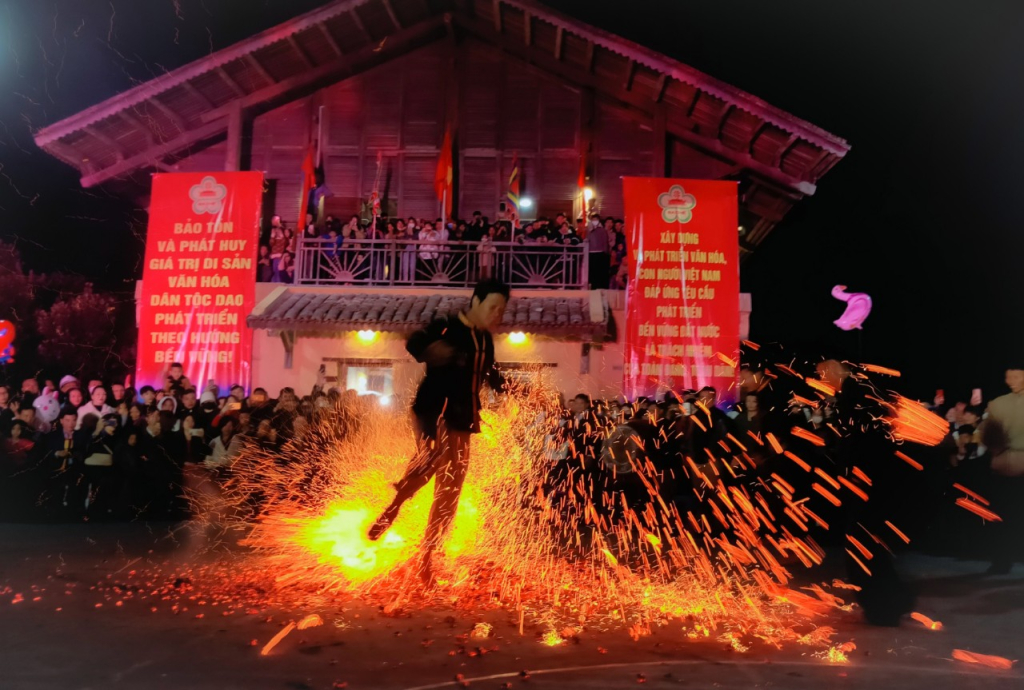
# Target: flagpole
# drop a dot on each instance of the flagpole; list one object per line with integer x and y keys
{"x": 319, "y": 136}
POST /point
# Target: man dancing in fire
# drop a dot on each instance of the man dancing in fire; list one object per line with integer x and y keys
{"x": 459, "y": 354}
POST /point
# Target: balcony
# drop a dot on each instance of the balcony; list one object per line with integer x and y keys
{"x": 425, "y": 263}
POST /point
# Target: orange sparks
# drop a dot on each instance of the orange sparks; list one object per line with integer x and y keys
{"x": 310, "y": 621}
{"x": 912, "y": 421}
{"x": 860, "y": 547}
{"x": 753, "y": 346}
{"x": 808, "y": 436}
{"x": 926, "y": 621}
{"x": 824, "y": 475}
{"x": 885, "y": 371}
{"x": 983, "y": 659}
{"x": 854, "y": 489}
{"x": 859, "y": 474}
{"x": 277, "y": 638}
{"x": 905, "y": 538}
{"x": 776, "y": 446}
{"x": 909, "y": 460}
{"x": 729, "y": 361}
{"x": 821, "y": 387}
{"x": 803, "y": 465}
{"x": 984, "y": 513}
{"x": 859, "y": 562}
{"x": 970, "y": 493}
{"x": 611, "y": 559}
{"x": 827, "y": 494}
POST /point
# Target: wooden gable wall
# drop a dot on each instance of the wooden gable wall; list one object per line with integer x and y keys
{"x": 504, "y": 107}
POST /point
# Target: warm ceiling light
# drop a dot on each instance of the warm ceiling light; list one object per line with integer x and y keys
{"x": 588, "y": 193}
{"x": 526, "y": 202}
{"x": 367, "y": 336}
{"x": 517, "y": 338}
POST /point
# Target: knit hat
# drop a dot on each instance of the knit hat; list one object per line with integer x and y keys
{"x": 174, "y": 401}
{"x": 208, "y": 396}
{"x": 68, "y": 381}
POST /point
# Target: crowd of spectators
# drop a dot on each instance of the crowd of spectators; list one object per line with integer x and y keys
{"x": 97, "y": 451}
{"x": 107, "y": 451}
{"x": 605, "y": 237}
{"x": 686, "y": 439}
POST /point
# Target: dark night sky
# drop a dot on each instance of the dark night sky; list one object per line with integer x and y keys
{"x": 920, "y": 214}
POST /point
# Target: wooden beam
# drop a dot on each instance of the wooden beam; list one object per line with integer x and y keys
{"x": 251, "y": 60}
{"x": 589, "y": 58}
{"x": 301, "y": 53}
{"x": 496, "y": 9}
{"x": 630, "y": 71}
{"x": 558, "y": 42}
{"x": 391, "y": 14}
{"x": 154, "y": 154}
{"x": 659, "y": 87}
{"x": 236, "y": 123}
{"x": 339, "y": 68}
{"x": 69, "y": 155}
{"x": 528, "y": 29}
{"x": 135, "y": 122}
{"x": 106, "y": 141}
{"x": 171, "y": 115}
{"x": 717, "y": 148}
{"x": 754, "y": 135}
{"x": 660, "y": 163}
{"x": 359, "y": 25}
{"x": 232, "y": 84}
{"x": 331, "y": 41}
{"x": 190, "y": 87}
{"x": 729, "y": 107}
{"x": 631, "y": 101}
{"x": 781, "y": 153}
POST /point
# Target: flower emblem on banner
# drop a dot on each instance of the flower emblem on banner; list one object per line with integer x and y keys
{"x": 207, "y": 196}
{"x": 676, "y": 205}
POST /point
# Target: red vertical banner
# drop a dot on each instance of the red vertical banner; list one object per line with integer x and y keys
{"x": 199, "y": 280}
{"x": 683, "y": 293}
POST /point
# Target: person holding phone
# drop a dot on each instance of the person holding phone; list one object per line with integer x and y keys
{"x": 459, "y": 354}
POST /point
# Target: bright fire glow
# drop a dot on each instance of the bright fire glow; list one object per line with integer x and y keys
{"x": 517, "y": 338}
{"x": 588, "y": 193}
{"x": 367, "y": 336}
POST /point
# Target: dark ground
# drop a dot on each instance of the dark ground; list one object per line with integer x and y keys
{"x": 64, "y": 641}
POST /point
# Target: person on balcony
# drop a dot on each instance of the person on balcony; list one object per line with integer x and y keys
{"x": 486, "y": 251}
{"x": 406, "y": 252}
{"x": 429, "y": 251}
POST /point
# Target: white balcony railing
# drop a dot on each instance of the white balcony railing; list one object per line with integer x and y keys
{"x": 439, "y": 264}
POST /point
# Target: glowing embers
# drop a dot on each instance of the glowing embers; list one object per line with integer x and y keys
{"x": 338, "y": 538}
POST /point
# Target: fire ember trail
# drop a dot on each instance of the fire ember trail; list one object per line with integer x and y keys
{"x": 602, "y": 546}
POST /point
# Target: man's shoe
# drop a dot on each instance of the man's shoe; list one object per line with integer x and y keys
{"x": 383, "y": 523}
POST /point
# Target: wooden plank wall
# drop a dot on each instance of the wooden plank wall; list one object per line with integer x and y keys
{"x": 504, "y": 107}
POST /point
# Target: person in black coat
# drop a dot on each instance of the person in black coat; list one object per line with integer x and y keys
{"x": 459, "y": 354}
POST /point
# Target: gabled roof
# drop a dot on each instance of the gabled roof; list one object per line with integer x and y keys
{"x": 155, "y": 123}
{"x": 329, "y": 313}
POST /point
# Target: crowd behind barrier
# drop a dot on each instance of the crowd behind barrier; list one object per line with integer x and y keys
{"x": 76, "y": 450}
{"x": 413, "y": 251}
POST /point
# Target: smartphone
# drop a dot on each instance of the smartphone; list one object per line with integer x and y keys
{"x": 235, "y": 406}
{"x": 976, "y": 396}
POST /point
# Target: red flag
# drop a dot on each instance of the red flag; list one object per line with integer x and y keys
{"x": 443, "y": 176}
{"x": 581, "y": 180}
{"x": 513, "y": 190}
{"x": 308, "y": 183}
